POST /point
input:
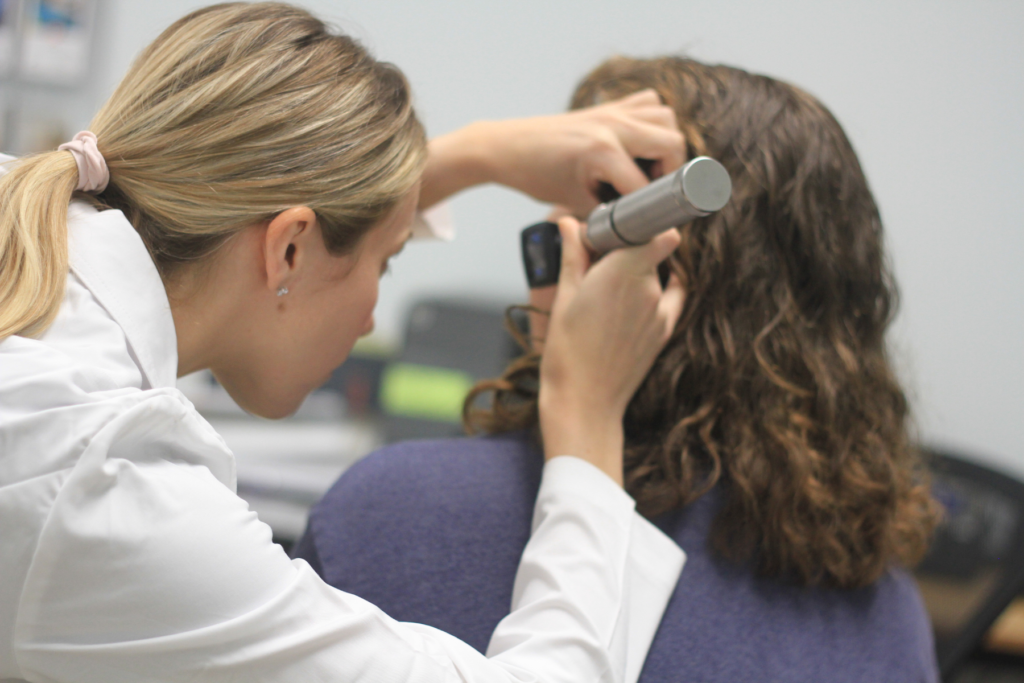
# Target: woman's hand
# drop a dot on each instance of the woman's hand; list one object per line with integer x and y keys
{"x": 561, "y": 158}
{"x": 608, "y": 324}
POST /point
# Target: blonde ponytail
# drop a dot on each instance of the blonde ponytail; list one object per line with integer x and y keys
{"x": 232, "y": 115}
{"x": 34, "y": 198}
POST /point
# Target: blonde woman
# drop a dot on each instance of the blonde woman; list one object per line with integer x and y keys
{"x": 232, "y": 208}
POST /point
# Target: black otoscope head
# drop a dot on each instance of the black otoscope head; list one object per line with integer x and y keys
{"x": 542, "y": 253}
{"x": 699, "y": 188}
{"x": 541, "y": 243}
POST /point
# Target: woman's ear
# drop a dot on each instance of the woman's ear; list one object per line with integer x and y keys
{"x": 287, "y": 246}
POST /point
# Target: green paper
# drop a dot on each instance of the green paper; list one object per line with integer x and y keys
{"x": 424, "y": 391}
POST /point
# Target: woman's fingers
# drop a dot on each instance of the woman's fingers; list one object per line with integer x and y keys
{"x": 615, "y": 165}
{"x": 646, "y": 105}
{"x": 641, "y": 98}
{"x": 558, "y": 212}
{"x": 650, "y": 141}
{"x": 659, "y": 115}
{"x": 560, "y": 158}
{"x": 660, "y": 248}
{"x": 645, "y": 140}
{"x": 644, "y": 259}
{"x": 648, "y": 129}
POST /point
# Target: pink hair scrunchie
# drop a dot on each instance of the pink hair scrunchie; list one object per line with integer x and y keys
{"x": 93, "y": 174}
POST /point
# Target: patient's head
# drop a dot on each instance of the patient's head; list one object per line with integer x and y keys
{"x": 776, "y": 385}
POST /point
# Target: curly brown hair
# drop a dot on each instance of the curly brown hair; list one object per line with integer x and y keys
{"x": 776, "y": 385}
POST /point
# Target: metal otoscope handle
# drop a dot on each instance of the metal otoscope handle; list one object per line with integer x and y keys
{"x": 699, "y": 188}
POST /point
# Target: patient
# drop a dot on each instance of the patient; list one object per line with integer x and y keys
{"x": 769, "y": 440}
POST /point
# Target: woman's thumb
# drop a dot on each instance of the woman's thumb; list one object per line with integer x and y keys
{"x": 575, "y": 257}
{"x": 659, "y": 248}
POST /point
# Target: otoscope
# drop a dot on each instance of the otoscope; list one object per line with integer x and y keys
{"x": 699, "y": 188}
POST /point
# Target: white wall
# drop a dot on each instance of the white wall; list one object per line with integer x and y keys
{"x": 931, "y": 94}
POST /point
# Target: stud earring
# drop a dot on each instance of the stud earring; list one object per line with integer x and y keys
{"x": 282, "y": 291}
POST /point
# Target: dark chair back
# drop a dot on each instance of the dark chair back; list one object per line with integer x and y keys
{"x": 975, "y": 566}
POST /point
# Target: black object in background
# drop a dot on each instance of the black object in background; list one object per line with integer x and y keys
{"x": 975, "y": 566}
{"x": 449, "y": 345}
{"x": 357, "y": 380}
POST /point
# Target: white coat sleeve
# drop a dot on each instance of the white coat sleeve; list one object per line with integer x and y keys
{"x": 434, "y": 223}
{"x": 150, "y": 568}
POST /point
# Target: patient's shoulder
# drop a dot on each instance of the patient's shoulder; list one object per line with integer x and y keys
{"x": 431, "y": 531}
{"x": 442, "y": 476}
{"x": 468, "y": 467}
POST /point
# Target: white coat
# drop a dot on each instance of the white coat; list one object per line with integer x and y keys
{"x": 125, "y": 554}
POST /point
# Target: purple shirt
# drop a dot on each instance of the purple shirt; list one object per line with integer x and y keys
{"x": 432, "y": 531}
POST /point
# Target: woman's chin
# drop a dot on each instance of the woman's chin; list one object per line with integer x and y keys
{"x": 272, "y": 404}
{"x": 276, "y": 411}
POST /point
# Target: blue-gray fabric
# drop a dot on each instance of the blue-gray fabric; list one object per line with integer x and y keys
{"x": 432, "y": 532}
